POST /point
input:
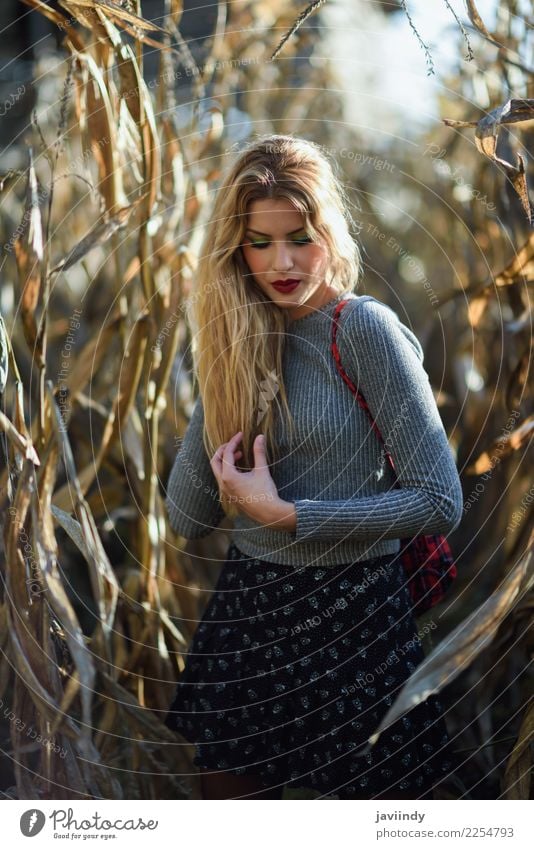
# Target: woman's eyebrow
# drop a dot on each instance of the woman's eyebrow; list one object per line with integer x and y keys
{"x": 257, "y": 232}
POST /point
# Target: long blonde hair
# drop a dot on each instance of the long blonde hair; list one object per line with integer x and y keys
{"x": 238, "y": 333}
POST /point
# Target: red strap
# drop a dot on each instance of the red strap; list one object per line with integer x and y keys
{"x": 359, "y": 397}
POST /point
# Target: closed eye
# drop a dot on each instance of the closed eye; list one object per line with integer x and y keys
{"x": 304, "y": 240}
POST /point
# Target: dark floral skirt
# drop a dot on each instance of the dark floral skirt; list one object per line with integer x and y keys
{"x": 292, "y": 669}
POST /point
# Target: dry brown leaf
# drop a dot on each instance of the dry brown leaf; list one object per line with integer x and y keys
{"x": 487, "y": 128}
{"x": 103, "y": 580}
{"x": 519, "y": 379}
{"x": 98, "y": 124}
{"x": 143, "y": 717}
{"x": 5, "y": 662}
{"x": 151, "y": 152}
{"x": 169, "y": 344}
{"x": 99, "y": 235}
{"x": 159, "y": 45}
{"x": 29, "y": 252}
{"x": 169, "y": 625}
{"x": 91, "y": 357}
{"x": 478, "y": 23}
{"x": 4, "y": 356}
{"x": 72, "y": 528}
{"x": 128, "y": 21}
{"x": 46, "y": 547}
{"x": 129, "y": 381}
{"x": 517, "y": 777}
{"x": 176, "y": 11}
{"x": 520, "y": 268}
{"x": 86, "y": 15}
{"x": 29, "y": 661}
{"x": 18, "y": 415}
{"x": 132, "y": 442}
{"x": 463, "y": 644}
{"x": 8, "y": 175}
{"x": 23, "y": 445}
{"x": 502, "y": 447}
{"x": 129, "y": 80}
{"x": 31, "y": 647}
{"x": 174, "y": 178}
{"x": 215, "y": 130}
{"x": 476, "y": 309}
{"x": 137, "y": 97}
{"x": 115, "y": 10}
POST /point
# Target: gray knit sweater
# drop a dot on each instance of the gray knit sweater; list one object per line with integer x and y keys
{"x": 334, "y": 469}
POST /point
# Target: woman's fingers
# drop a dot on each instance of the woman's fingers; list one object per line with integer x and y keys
{"x": 220, "y": 459}
{"x": 228, "y": 453}
{"x": 216, "y": 462}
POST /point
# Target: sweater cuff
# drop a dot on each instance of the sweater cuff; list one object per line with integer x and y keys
{"x": 310, "y": 514}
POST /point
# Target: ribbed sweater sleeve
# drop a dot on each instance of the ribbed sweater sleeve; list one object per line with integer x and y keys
{"x": 384, "y": 360}
{"x": 192, "y": 499}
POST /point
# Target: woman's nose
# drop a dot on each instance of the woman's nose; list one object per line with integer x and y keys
{"x": 283, "y": 259}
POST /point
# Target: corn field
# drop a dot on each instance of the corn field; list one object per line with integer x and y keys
{"x": 101, "y": 232}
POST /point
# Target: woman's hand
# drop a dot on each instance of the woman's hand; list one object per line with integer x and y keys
{"x": 254, "y": 492}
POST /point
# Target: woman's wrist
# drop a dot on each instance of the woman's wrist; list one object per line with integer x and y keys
{"x": 281, "y": 516}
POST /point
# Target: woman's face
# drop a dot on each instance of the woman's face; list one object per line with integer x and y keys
{"x": 277, "y": 249}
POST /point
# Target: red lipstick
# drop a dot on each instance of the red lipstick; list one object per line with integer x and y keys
{"x": 285, "y": 285}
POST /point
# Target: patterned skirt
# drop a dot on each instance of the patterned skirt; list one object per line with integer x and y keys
{"x": 292, "y": 669}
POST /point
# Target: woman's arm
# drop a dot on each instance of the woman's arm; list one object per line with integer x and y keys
{"x": 192, "y": 492}
{"x": 384, "y": 360}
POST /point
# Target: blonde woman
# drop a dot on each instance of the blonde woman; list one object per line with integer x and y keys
{"x": 309, "y": 634}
